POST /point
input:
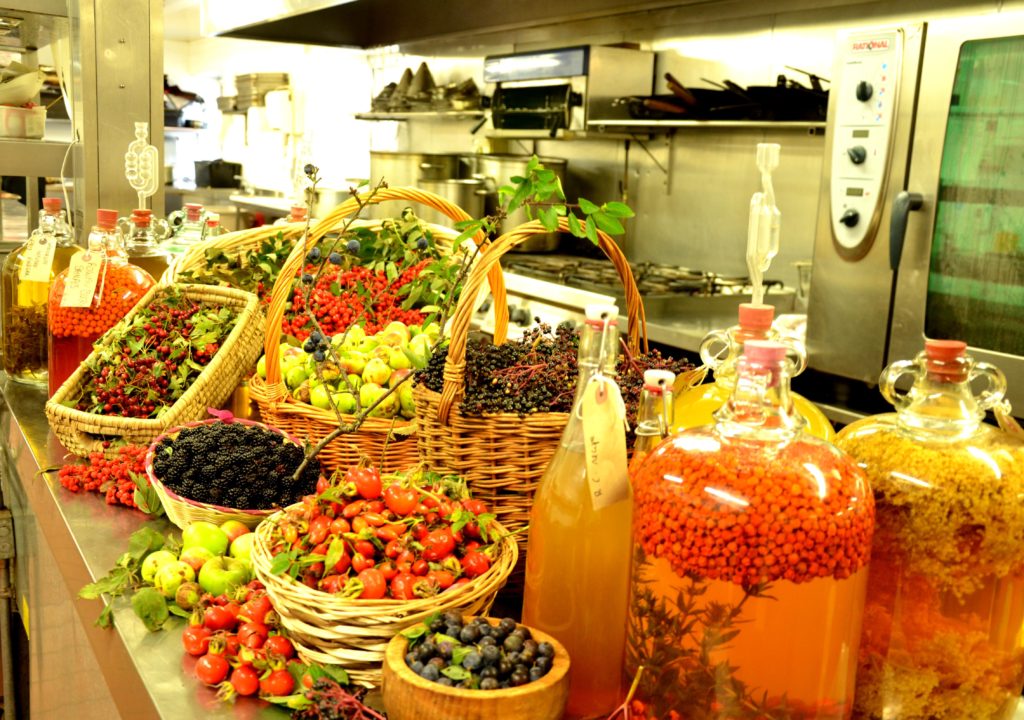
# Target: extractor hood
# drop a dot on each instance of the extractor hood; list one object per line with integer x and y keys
{"x": 375, "y": 23}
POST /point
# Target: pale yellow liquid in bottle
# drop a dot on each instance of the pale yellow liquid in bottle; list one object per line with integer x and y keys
{"x": 577, "y": 580}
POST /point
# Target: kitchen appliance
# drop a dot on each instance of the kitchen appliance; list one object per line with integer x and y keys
{"x": 406, "y": 169}
{"x": 470, "y": 194}
{"x": 497, "y": 170}
{"x": 218, "y": 174}
{"x": 920, "y": 218}
{"x": 542, "y": 92}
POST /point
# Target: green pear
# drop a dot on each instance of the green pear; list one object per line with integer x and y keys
{"x": 345, "y": 402}
{"x": 353, "y": 337}
{"x": 397, "y": 376}
{"x": 388, "y": 407}
{"x": 261, "y": 367}
{"x": 367, "y": 345}
{"x": 320, "y": 397}
{"x": 398, "y": 360}
{"x": 405, "y": 401}
{"x": 295, "y": 376}
{"x": 355, "y": 382}
{"x": 376, "y": 372}
{"x": 353, "y": 362}
{"x": 369, "y": 393}
{"x": 302, "y": 392}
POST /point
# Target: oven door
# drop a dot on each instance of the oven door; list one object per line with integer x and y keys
{"x": 961, "y": 273}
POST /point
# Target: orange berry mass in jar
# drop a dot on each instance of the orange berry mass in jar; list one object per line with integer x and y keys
{"x": 751, "y": 541}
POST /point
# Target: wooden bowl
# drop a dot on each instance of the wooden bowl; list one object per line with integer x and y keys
{"x": 407, "y": 696}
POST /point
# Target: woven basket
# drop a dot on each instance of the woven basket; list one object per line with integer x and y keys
{"x": 181, "y": 510}
{"x": 390, "y": 445}
{"x": 502, "y": 455}
{"x": 333, "y": 630}
{"x": 83, "y": 433}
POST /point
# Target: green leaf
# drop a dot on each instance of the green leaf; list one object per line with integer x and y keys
{"x": 592, "y": 232}
{"x": 151, "y": 607}
{"x": 146, "y": 497}
{"x": 460, "y": 652}
{"x": 609, "y": 224}
{"x": 415, "y": 632}
{"x": 175, "y": 610}
{"x": 588, "y": 208}
{"x": 280, "y": 564}
{"x": 548, "y": 219}
{"x": 456, "y": 673}
{"x": 335, "y": 289}
{"x": 391, "y": 271}
{"x": 618, "y": 209}
{"x": 336, "y": 673}
{"x": 334, "y": 552}
{"x": 574, "y": 225}
{"x": 560, "y": 210}
{"x": 106, "y": 618}
{"x": 144, "y": 541}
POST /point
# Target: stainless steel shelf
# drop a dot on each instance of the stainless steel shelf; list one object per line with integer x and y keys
{"x": 31, "y": 158}
{"x": 421, "y": 115}
{"x": 36, "y": 7}
{"x": 653, "y": 125}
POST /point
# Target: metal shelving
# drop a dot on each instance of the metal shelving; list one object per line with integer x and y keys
{"x": 655, "y": 125}
{"x": 423, "y": 115}
{"x": 32, "y": 158}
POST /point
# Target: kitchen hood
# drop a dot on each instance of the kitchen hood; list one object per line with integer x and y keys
{"x": 375, "y": 23}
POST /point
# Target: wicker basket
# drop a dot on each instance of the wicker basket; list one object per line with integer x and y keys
{"x": 502, "y": 456}
{"x": 182, "y": 511}
{"x": 82, "y": 433}
{"x": 390, "y": 445}
{"x": 355, "y": 633}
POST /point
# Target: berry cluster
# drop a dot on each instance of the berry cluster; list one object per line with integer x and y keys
{"x": 155, "y": 358}
{"x": 234, "y": 465}
{"x": 111, "y": 478}
{"x": 317, "y": 345}
{"x": 477, "y": 655}
{"x": 341, "y": 298}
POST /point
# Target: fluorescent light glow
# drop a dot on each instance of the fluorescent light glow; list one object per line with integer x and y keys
{"x": 726, "y": 497}
{"x": 910, "y": 479}
{"x": 819, "y": 478}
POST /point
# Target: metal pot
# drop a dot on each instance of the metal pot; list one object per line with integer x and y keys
{"x": 407, "y": 169}
{"x": 495, "y": 170}
{"x": 470, "y": 195}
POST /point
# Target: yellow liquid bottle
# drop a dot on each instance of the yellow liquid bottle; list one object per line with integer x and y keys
{"x": 577, "y": 562}
{"x": 143, "y": 243}
{"x": 696, "y": 406}
{"x": 654, "y": 414}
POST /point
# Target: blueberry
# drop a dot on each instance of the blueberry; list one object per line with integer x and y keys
{"x": 472, "y": 661}
{"x": 309, "y": 346}
{"x": 513, "y": 657}
{"x": 437, "y": 625}
{"x": 453, "y": 630}
{"x": 410, "y": 658}
{"x": 513, "y": 643}
{"x": 546, "y": 649}
{"x": 352, "y": 246}
{"x": 488, "y": 672}
{"x": 490, "y": 653}
{"x": 518, "y": 678}
{"x": 488, "y": 683}
{"x": 521, "y": 668}
{"x": 439, "y": 662}
{"x": 334, "y": 258}
{"x": 309, "y": 169}
{"x": 444, "y": 649}
{"x": 425, "y": 651}
{"x": 487, "y": 641}
{"x": 307, "y": 278}
{"x": 421, "y": 244}
{"x": 319, "y": 355}
{"x": 523, "y": 632}
{"x": 417, "y": 667}
{"x": 504, "y": 668}
{"x": 313, "y": 255}
{"x": 315, "y": 337}
{"x": 466, "y": 684}
{"x": 470, "y": 634}
{"x": 430, "y": 672}
{"x": 452, "y": 617}
{"x": 536, "y": 674}
{"x": 446, "y": 681}
{"x": 542, "y": 663}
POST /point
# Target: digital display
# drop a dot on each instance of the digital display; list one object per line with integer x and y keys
{"x": 854, "y": 192}
{"x": 861, "y": 133}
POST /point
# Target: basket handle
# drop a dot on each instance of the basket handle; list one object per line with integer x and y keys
{"x": 455, "y": 365}
{"x": 335, "y": 220}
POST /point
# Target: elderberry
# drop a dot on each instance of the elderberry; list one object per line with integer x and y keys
{"x": 313, "y": 255}
{"x": 334, "y": 258}
{"x": 307, "y": 278}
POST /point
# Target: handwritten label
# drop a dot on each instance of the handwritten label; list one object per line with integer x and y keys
{"x": 604, "y": 442}
{"x": 80, "y": 283}
{"x": 37, "y": 259}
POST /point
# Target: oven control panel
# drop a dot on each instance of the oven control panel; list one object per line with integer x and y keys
{"x": 867, "y": 90}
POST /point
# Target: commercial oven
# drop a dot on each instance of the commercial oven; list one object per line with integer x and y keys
{"x": 921, "y": 216}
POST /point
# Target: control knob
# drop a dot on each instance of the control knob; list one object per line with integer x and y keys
{"x": 858, "y": 154}
{"x": 864, "y": 91}
{"x": 850, "y": 218}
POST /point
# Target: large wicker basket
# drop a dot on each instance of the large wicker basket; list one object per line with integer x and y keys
{"x": 503, "y": 455}
{"x": 82, "y": 433}
{"x": 389, "y": 444}
{"x": 330, "y": 629}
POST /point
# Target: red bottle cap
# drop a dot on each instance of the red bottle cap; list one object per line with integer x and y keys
{"x": 298, "y": 213}
{"x": 756, "y": 317}
{"x": 764, "y": 351}
{"x": 946, "y": 357}
{"x": 51, "y": 205}
{"x": 142, "y": 217}
{"x": 106, "y": 219}
{"x": 193, "y": 211}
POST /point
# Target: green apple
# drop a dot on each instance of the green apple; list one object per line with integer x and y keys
{"x": 196, "y": 556}
{"x": 320, "y": 397}
{"x": 261, "y": 367}
{"x": 345, "y": 402}
{"x": 241, "y": 546}
{"x": 187, "y": 596}
{"x": 353, "y": 361}
{"x": 354, "y": 383}
{"x": 405, "y": 402}
{"x": 221, "y": 574}
{"x": 369, "y": 393}
{"x": 234, "y": 529}
{"x": 171, "y": 576}
{"x": 291, "y": 357}
{"x": 205, "y": 534}
{"x": 154, "y": 561}
{"x": 398, "y": 360}
{"x": 376, "y": 372}
{"x": 295, "y": 376}
{"x": 367, "y": 345}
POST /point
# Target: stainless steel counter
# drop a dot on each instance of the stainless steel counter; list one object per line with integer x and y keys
{"x": 65, "y": 540}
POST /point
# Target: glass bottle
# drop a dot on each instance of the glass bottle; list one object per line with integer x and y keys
{"x": 577, "y": 561}
{"x": 26, "y": 278}
{"x": 751, "y": 542}
{"x": 945, "y": 607}
{"x": 654, "y": 414}
{"x": 143, "y": 243}
{"x": 212, "y": 226}
{"x": 295, "y": 215}
{"x": 720, "y": 351}
{"x": 118, "y": 286}
{"x": 188, "y": 227}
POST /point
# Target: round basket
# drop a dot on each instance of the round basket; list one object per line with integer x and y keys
{"x": 389, "y": 444}
{"x": 182, "y": 511}
{"x": 502, "y": 456}
{"x": 330, "y": 629}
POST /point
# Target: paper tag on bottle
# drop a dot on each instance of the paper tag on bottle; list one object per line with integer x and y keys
{"x": 604, "y": 442}
{"x": 37, "y": 259}
{"x": 80, "y": 282}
